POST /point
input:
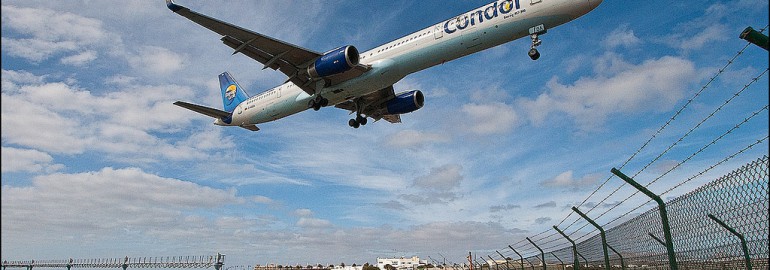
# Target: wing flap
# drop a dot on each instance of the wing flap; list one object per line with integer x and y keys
{"x": 373, "y": 102}
{"x": 393, "y": 118}
{"x": 250, "y": 127}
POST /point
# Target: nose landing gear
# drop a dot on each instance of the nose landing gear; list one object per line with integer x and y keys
{"x": 534, "y": 34}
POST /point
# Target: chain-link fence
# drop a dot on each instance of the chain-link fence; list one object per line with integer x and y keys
{"x": 738, "y": 199}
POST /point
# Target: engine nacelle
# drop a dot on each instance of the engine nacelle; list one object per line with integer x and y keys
{"x": 334, "y": 62}
{"x": 405, "y": 102}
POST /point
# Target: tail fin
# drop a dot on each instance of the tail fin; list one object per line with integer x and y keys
{"x": 232, "y": 93}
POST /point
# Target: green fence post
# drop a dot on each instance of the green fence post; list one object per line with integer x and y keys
{"x": 507, "y": 266}
{"x": 601, "y": 233}
{"x": 560, "y": 261}
{"x": 663, "y": 216}
{"x": 740, "y": 236}
{"x": 497, "y": 267}
{"x": 576, "y": 262}
{"x": 542, "y": 255}
{"x": 622, "y": 263}
{"x": 584, "y": 259}
{"x": 521, "y": 258}
{"x": 755, "y": 37}
{"x": 657, "y": 239}
{"x": 69, "y": 264}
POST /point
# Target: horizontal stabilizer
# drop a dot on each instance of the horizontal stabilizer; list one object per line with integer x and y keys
{"x": 219, "y": 114}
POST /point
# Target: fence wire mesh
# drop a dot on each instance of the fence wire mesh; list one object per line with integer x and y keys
{"x": 739, "y": 199}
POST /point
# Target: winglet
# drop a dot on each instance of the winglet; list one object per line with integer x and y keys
{"x": 173, "y": 7}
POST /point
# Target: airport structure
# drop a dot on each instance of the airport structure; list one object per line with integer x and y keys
{"x": 401, "y": 263}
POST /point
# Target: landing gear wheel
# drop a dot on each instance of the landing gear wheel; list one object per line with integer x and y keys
{"x": 362, "y": 120}
{"x": 353, "y": 123}
{"x": 317, "y": 103}
{"x": 534, "y": 54}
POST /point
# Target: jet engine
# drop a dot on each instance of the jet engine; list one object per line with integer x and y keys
{"x": 334, "y": 62}
{"x": 405, "y": 102}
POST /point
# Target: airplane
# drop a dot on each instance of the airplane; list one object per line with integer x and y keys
{"x": 362, "y": 83}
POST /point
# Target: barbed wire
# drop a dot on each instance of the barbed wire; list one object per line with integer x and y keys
{"x": 660, "y": 130}
{"x": 646, "y": 143}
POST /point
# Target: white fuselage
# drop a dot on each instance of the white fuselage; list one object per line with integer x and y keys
{"x": 479, "y": 29}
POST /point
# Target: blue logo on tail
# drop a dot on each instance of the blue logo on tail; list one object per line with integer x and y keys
{"x": 232, "y": 93}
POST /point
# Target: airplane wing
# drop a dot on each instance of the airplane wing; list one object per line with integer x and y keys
{"x": 373, "y": 103}
{"x": 290, "y": 59}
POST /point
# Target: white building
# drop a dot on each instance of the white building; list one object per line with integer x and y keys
{"x": 401, "y": 263}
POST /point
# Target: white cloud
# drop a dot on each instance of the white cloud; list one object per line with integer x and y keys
{"x": 100, "y": 201}
{"x": 156, "y": 61}
{"x": 262, "y": 200}
{"x": 26, "y": 160}
{"x": 499, "y": 208}
{"x": 442, "y": 178}
{"x": 12, "y": 79}
{"x": 412, "y": 138}
{"x": 118, "y": 122}
{"x": 303, "y": 212}
{"x": 490, "y": 118}
{"x": 550, "y": 204}
{"x": 306, "y": 222}
{"x": 654, "y": 85}
{"x": 567, "y": 180}
{"x": 79, "y": 59}
{"x": 51, "y": 32}
{"x": 709, "y": 35}
{"x": 621, "y": 36}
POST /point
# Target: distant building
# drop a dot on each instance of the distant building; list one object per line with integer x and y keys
{"x": 348, "y": 267}
{"x": 401, "y": 263}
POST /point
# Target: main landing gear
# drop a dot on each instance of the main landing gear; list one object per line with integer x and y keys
{"x": 360, "y": 120}
{"x": 318, "y": 102}
{"x": 534, "y": 34}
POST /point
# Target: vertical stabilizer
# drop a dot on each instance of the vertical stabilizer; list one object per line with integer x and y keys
{"x": 232, "y": 93}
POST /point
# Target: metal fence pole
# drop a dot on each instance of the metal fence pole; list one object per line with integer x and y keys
{"x": 542, "y": 255}
{"x": 493, "y": 260}
{"x": 622, "y": 263}
{"x": 520, "y": 257}
{"x": 663, "y": 216}
{"x": 576, "y": 262}
{"x": 584, "y": 259}
{"x": 507, "y": 266}
{"x": 657, "y": 239}
{"x": 739, "y": 235}
{"x": 601, "y": 233}
{"x": 560, "y": 261}
{"x": 755, "y": 37}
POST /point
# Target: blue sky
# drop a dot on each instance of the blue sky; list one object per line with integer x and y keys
{"x": 97, "y": 162}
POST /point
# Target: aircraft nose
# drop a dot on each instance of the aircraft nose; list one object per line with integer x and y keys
{"x": 594, "y": 3}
